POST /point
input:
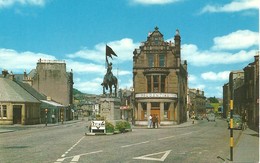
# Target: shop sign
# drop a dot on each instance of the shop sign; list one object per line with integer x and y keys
{"x": 156, "y": 95}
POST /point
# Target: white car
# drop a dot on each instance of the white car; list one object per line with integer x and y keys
{"x": 211, "y": 117}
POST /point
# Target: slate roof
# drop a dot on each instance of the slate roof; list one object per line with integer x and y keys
{"x": 31, "y": 90}
{"x": 10, "y": 91}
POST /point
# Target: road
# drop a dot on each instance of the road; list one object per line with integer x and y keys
{"x": 202, "y": 142}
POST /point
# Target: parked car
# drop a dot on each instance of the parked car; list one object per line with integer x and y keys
{"x": 237, "y": 122}
{"x": 211, "y": 117}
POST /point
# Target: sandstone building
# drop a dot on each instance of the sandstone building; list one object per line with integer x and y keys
{"x": 160, "y": 80}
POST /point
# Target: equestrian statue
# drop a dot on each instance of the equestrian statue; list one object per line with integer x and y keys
{"x": 109, "y": 79}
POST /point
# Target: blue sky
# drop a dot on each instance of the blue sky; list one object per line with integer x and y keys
{"x": 217, "y": 36}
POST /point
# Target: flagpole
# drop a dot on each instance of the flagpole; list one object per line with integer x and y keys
{"x": 106, "y": 56}
{"x": 117, "y": 80}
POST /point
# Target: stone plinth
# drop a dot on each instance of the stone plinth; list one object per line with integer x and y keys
{"x": 110, "y": 109}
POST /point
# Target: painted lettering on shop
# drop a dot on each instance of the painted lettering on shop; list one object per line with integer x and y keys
{"x": 156, "y": 95}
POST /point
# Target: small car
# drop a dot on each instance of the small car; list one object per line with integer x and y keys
{"x": 211, "y": 117}
{"x": 237, "y": 122}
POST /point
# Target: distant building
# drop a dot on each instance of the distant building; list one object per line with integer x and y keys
{"x": 243, "y": 89}
{"x": 126, "y": 105}
{"x": 160, "y": 80}
{"x": 51, "y": 79}
{"x": 251, "y": 87}
{"x": 196, "y": 101}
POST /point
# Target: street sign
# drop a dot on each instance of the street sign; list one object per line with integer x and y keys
{"x": 98, "y": 125}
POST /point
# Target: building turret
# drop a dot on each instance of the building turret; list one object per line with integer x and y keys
{"x": 177, "y": 40}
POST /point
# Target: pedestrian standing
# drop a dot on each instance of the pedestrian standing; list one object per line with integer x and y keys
{"x": 156, "y": 121}
{"x": 150, "y": 121}
{"x": 193, "y": 117}
{"x": 53, "y": 118}
{"x": 153, "y": 120}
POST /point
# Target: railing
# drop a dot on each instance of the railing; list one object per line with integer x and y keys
{"x": 50, "y": 61}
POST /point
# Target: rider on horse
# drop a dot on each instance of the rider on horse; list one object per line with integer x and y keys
{"x": 109, "y": 74}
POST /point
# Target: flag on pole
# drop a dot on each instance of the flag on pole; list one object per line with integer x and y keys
{"x": 109, "y": 51}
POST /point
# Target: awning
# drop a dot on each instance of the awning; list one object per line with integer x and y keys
{"x": 52, "y": 103}
{"x": 125, "y": 108}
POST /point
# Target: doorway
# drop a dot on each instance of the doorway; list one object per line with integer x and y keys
{"x": 156, "y": 112}
{"x": 17, "y": 114}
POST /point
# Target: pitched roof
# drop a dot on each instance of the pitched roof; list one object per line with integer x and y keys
{"x": 10, "y": 91}
{"x": 31, "y": 90}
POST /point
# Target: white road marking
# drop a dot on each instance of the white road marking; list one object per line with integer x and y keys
{"x": 72, "y": 147}
{"x": 134, "y": 144}
{"x": 76, "y": 157}
{"x": 147, "y": 157}
{"x": 168, "y": 137}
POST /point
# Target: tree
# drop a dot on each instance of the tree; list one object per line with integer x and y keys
{"x": 213, "y": 100}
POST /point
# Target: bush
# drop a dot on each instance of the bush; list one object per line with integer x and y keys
{"x": 122, "y": 125}
{"x": 109, "y": 127}
{"x": 98, "y": 117}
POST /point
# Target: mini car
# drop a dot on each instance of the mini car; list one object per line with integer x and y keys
{"x": 211, "y": 117}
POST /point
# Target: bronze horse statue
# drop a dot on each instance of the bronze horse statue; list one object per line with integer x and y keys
{"x": 108, "y": 84}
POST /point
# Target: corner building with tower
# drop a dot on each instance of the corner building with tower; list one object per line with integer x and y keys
{"x": 160, "y": 80}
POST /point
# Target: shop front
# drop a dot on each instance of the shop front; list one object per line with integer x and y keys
{"x": 162, "y": 105}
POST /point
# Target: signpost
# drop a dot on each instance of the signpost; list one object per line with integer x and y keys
{"x": 98, "y": 125}
{"x": 231, "y": 131}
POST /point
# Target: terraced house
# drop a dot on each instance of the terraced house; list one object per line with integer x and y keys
{"x": 43, "y": 95}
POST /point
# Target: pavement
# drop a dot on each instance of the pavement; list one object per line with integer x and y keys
{"x": 17, "y": 127}
{"x": 246, "y": 147}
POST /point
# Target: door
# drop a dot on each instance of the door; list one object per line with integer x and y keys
{"x": 156, "y": 112}
{"x": 17, "y": 114}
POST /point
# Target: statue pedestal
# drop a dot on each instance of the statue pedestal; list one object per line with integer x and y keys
{"x": 110, "y": 109}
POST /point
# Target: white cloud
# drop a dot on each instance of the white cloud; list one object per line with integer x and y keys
{"x": 90, "y": 86}
{"x": 196, "y": 57}
{"x": 154, "y": 2}
{"x": 214, "y": 92}
{"x": 215, "y": 76}
{"x": 81, "y": 67}
{"x": 9, "y": 3}
{"x": 240, "y": 39}
{"x": 198, "y": 86}
{"x": 234, "y": 6}
{"x": 123, "y": 48}
{"x": 192, "y": 78}
{"x": 18, "y": 61}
